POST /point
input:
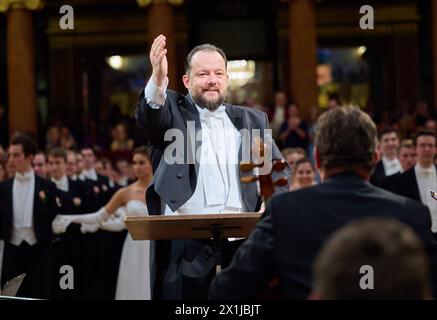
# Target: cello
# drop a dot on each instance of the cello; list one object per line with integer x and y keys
{"x": 266, "y": 188}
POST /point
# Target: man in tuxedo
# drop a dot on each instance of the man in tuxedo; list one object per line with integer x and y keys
{"x": 100, "y": 183}
{"x": 28, "y": 207}
{"x": 40, "y": 165}
{"x": 389, "y": 163}
{"x": 295, "y": 225}
{"x": 71, "y": 167}
{"x": 100, "y": 247}
{"x": 278, "y": 113}
{"x": 417, "y": 182}
{"x": 407, "y": 154}
{"x": 208, "y": 186}
{"x": 73, "y": 197}
{"x": 407, "y": 159}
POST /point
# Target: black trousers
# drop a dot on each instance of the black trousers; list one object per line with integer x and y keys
{"x": 110, "y": 247}
{"x": 35, "y": 262}
{"x": 192, "y": 268}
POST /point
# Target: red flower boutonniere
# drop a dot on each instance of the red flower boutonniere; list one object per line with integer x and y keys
{"x": 42, "y": 195}
{"x": 77, "y": 201}
{"x": 58, "y": 202}
{"x": 96, "y": 189}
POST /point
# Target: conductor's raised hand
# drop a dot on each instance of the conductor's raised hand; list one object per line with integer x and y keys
{"x": 158, "y": 59}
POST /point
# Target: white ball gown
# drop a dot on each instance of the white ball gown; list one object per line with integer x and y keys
{"x": 133, "y": 282}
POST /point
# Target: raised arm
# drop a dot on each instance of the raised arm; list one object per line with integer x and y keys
{"x": 153, "y": 114}
{"x": 158, "y": 59}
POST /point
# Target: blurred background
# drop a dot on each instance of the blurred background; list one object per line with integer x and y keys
{"x": 81, "y": 85}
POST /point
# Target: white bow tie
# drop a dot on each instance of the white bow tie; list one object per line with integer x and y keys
{"x": 220, "y": 113}
{"x": 23, "y": 176}
{"x": 426, "y": 171}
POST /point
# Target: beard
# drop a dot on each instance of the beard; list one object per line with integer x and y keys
{"x": 211, "y": 105}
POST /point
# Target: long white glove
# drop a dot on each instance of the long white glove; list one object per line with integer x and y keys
{"x": 115, "y": 223}
{"x": 61, "y": 222}
{"x": 89, "y": 227}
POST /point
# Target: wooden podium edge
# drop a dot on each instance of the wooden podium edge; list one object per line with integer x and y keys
{"x": 190, "y": 226}
{"x": 181, "y": 217}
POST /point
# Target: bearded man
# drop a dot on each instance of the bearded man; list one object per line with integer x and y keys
{"x": 202, "y": 176}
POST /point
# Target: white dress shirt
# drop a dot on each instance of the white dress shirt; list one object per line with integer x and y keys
{"x": 88, "y": 174}
{"x": 278, "y": 119}
{"x": 123, "y": 181}
{"x": 61, "y": 184}
{"x": 426, "y": 182}
{"x": 391, "y": 166}
{"x": 23, "y": 191}
{"x": 218, "y": 187}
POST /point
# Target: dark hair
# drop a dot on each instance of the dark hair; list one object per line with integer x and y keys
{"x": 87, "y": 148}
{"x": 106, "y": 161}
{"x": 301, "y": 161}
{"x": 203, "y": 47}
{"x": 26, "y": 142}
{"x": 285, "y": 152}
{"x": 387, "y": 246}
{"x": 334, "y": 96}
{"x": 41, "y": 153}
{"x": 3, "y": 165}
{"x": 143, "y": 151}
{"x": 423, "y": 133}
{"x": 292, "y": 103}
{"x": 335, "y": 147}
{"x": 58, "y": 153}
{"x": 387, "y": 131}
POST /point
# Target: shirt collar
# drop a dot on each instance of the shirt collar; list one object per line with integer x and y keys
{"x": 25, "y": 176}
{"x": 386, "y": 161}
{"x": 90, "y": 174}
{"x": 419, "y": 169}
{"x": 62, "y": 183}
{"x": 205, "y": 112}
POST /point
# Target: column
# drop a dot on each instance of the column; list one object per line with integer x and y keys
{"x": 161, "y": 21}
{"x": 22, "y": 101}
{"x": 303, "y": 54}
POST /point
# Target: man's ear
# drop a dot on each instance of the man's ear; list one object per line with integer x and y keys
{"x": 319, "y": 164}
{"x": 186, "y": 81}
{"x": 376, "y": 157}
{"x": 30, "y": 158}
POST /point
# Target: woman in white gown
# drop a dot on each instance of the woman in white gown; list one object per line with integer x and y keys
{"x": 133, "y": 281}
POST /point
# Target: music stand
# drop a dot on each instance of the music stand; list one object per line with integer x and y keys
{"x": 193, "y": 226}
